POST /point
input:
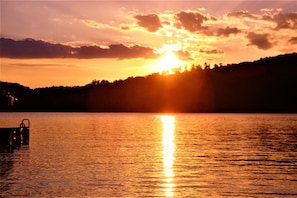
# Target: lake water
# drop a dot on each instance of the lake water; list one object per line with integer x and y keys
{"x": 152, "y": 155}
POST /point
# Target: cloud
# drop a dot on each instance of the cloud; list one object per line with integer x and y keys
{"x": 211, "y": 51}
{"x": 125, "y": 27}
{"x": 259, "y": 40}
{"x": 242, "y": 14}
{"x": 293, "y": 40}
{"x": 283, "y": 21}
{"x": 93, "y": 24}
{"x": 183, "y": 55}
{"x": 191, "y": 21}
{"x": 30, "y": 48}
{"x": 150, "y": 22}
{"x": 122, "y": 52}
{"x": 43, "y": 65}
{"x": 118, "y": 51}
{"x": 227, "y": 31}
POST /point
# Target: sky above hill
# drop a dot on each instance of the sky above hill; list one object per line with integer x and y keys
{"x": 116, "y": 39}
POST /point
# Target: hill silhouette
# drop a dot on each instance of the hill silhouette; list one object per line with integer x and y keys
{"x": 265, "y": 85}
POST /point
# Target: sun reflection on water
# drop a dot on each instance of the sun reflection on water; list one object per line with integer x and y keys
{"x": 168, "y": 154}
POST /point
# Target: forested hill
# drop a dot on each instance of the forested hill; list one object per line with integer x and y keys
{"x": 265, "y": 85}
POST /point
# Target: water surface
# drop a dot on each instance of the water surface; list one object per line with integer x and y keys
{"x": 137, "y": 155}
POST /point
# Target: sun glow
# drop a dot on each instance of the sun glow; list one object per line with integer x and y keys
{"x": 168, "y": 62}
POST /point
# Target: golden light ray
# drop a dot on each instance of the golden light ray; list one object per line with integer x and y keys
{"x": 168, "y": 154}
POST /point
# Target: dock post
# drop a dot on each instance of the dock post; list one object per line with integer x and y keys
{"x": 24, "y": 131}
{"x": 16, "y": 138}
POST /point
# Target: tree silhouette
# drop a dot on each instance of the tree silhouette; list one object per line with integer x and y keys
{"x": 265, "y": 85}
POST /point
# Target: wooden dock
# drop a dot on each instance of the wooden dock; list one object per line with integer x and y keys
{"x": 15, "y": 137}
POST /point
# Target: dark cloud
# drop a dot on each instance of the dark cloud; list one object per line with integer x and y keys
{"x": 259, "y": 40}
{"x": 118, "y": 51}
{"x": 293, "y": 40}
{"x": 30, "y": 48}
{"x": 151, "y": 22}
{"x": 124, "y": 27}
{"x": 211, "y": 51}
{"x": 191, "y": 21}
{"x": 136, "y": 51}
{"x": 183, "y": 55}
{"x": 227, "y": 31}
{"x": 283, "y": 21}
{"x": 241, "y": 14}
{"x": 50, "y": 65}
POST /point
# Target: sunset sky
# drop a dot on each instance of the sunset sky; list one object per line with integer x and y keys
{"x": 111, "y": 40}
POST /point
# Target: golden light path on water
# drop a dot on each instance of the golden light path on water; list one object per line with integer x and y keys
{"x": 168, "y": 154}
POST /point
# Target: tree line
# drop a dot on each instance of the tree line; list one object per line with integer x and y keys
{"x": 265, "y": 85}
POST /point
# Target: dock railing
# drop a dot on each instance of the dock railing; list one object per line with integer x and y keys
{"x": 15, "y": 137}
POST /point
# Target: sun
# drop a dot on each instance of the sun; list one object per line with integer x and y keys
{"x": 168, "y": 62}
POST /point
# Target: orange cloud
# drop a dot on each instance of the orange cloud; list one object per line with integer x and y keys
{"x": 259, "y": 40}
{"x": 227, "y": 31}
{"x": 242, "y": 14}
{"x": 183, "y": 55}
{"x": 191, "y": 21}
{"x": 283, "y": 21}
{"x": 211, "y": 51}
{"x": 125, "y": 27}
{"x": 150, "y": 22}
{"x": 293, "y": 40}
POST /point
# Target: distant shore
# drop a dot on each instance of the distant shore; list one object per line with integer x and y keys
{"x": 267, "y": 85}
